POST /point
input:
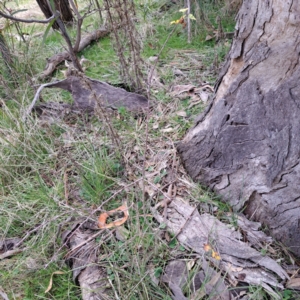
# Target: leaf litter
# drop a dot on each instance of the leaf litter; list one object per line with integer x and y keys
{"x": 223, "y": 257}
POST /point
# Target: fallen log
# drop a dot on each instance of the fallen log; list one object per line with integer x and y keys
{"x": 58, "y": 58}
{"x": 88, "y": 93}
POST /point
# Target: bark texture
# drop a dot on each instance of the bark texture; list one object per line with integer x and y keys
{"x": 88, "y": 93}
{"x": 246, "y": 145}
{"x": 5, "y": 52}
{"x": 82, "y": 257}
{"x": 62, "y": 6}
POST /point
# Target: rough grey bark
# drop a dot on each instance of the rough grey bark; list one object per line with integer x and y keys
{"x": 62, "y": 6}
{"x": 246, "y": 145}
{"x": 5, "y": 53}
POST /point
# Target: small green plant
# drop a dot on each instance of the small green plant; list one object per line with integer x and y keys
{"x": 288, "y": 295}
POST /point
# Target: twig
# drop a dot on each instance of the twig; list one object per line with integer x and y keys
{"x": 66, "y": 186}
{"x": 154, "y": 65}
{"x": 79, "y": 24}
{"x": 35, "y": 99}
{"x": 29, "y": 233}
{"x": 113, "y": 288}
{"x": 3, "y": 294}
{"x": 82, "y": 243}
{"x": 10, "y": 253}
{"x": 114, "y": 136}
{"x": 71, "y": 51}
{"x": 171, "y": 192}
{"x": 188, "y": 20}
{"x": 55, "y": 15}
{"x": 186, "y": 221}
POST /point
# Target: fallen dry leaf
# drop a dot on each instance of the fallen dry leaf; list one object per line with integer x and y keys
{"x": 190, "y": 264}
{"x": 180, "y": 89}
{"x": 206, "y": 247}
{"x": 204, "y": 96}
{"x": 150, "y": 191}
{"x": 51, "y": 280}
{"x": 166, "y": 130}
{"x": 181, "y": 113}
{"x": 103, "y": 217}
{"x": 293, "y": 283}
{"x": 122, "y": 233}
{"x": 215, "y": 255}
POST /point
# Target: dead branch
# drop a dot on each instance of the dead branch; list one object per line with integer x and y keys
{"x": 72, "y": 52}
{"x": 55, "y": 15}
{"x": 58, "y": 58}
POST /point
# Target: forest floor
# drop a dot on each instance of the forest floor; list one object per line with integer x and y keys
{"x": 59, "y": 172}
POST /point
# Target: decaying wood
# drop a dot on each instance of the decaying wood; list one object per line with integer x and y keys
{"x": 58, "y": 58}
{"x": 84, "y": 262}
{"x": 205, "y": 282}
{"x": 239, "y": 261}
{"x": 87, "y": 93}
{"x": 246, "y": 145}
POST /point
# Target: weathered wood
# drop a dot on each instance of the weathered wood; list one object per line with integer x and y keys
{"x": 58, "y": 58}
{"x": 83, "y": 259}
{"x": 246, "y": 145}
{"x": 238, "y": 259}
{"x": 88, "y": 93}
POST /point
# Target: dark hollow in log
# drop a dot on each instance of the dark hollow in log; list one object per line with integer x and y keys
{"x": 246, "y": 145}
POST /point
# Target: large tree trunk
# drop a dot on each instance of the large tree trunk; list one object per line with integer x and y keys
{"x": 62, "y": 6}
{"x": 246, "y": 145}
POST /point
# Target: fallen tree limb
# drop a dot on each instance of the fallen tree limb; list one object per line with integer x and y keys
{"x": 58, "y": 58}
{"x": 87, "y": 91}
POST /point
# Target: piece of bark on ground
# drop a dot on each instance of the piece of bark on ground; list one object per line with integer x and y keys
{"x": 238, "y": 260}
{"x": 83, "y": 258}
{"x": 58, "y": 58}
{"x": 206, "y": 282}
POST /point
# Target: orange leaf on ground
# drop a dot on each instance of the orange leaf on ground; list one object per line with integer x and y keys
{"x": 103, "y": 217}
